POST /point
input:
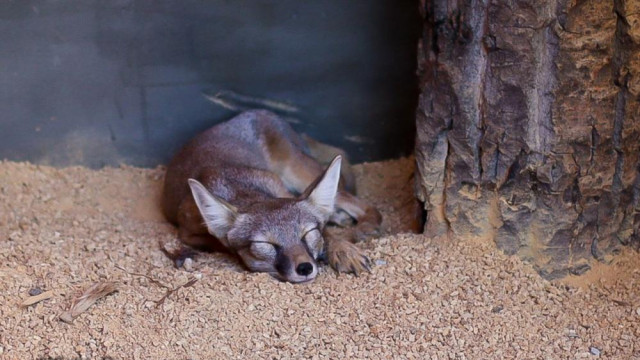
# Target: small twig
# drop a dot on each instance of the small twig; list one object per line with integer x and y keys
{"x": 171, "y": 291}
{"x": 154, "y": 281}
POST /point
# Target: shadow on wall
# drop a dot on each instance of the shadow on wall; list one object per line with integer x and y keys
{"x": 97, "y": 83}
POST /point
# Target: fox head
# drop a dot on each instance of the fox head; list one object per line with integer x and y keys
{"x": 279, "y": 236}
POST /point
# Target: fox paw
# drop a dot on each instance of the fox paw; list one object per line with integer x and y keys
{"x": 182, "y": 256}
{"x": 345, "y": 257}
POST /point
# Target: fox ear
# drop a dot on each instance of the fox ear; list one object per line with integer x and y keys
{"x": 218, "y": 214}
{"x": 323, "y": 191}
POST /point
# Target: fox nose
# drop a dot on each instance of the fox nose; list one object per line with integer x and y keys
{"x": 304, "y": 269}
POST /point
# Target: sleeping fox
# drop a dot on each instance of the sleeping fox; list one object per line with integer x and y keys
{"x": 253, "y": 186}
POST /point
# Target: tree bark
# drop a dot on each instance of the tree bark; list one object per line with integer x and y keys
{"x": 528, "y": 127}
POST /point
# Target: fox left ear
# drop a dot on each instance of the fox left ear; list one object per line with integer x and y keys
{"x": 218, "y": 214}
{"x": 322, "y": 192}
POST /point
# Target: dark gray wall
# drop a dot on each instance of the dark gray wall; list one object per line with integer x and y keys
{"x": 105, "y": 82}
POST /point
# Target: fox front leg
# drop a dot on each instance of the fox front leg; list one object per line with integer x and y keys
{"x": 343, "y": 256}
{"x": 368, "y": 225}
{"x": 368, "y": 217}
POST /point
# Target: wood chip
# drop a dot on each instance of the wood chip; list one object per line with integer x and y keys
{"x": 88, "y": 298}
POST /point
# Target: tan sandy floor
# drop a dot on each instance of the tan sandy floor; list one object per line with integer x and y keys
{"x": 63, "y": 230}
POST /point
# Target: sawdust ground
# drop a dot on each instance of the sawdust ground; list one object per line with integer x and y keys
{"x": 65, "y": 229}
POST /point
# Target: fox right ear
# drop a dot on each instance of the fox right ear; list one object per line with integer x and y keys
{"x": 218, "y": 214}
{"x": 322, "y": 193}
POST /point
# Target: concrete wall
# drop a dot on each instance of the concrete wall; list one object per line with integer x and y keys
{"x": 109, "y": 82}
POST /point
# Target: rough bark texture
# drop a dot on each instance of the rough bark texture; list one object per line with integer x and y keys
{"x": 528, "y": 127}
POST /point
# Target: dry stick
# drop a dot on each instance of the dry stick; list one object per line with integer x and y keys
{"x": 88, "y": 298}
{"x": 621, "y": 302}
{"x": 169, "y": 289}
{"x": 268, "y": 103}
{"x": 37, "y": 298}
{"x": 224, "y": 103}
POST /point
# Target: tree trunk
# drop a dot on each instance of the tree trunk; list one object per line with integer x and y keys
{"x": 528, "y": 127}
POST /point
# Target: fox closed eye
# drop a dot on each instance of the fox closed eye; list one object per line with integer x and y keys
{"x": 312, "y": 237}
{"x": 313, "y": 241}
{"x": 263, "y": 250}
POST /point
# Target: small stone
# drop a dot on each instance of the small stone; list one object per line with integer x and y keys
{"x": 188, "y": 264}
{"x": 14, "y": 236}
{"x": 497, "y": 309}
{"x": 35, "y": 291}
{"x": 24, "y": 225}
{"x": 66, "y": 317}
{"x": 594, "y": 351}
{"x": 572, "y": 333}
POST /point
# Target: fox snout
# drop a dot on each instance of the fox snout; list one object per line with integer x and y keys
{"x": 296, "y": 265}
